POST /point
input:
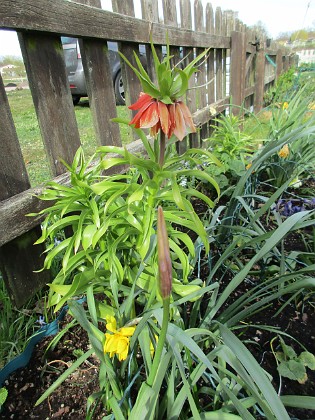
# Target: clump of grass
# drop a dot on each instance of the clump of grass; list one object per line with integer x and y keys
{"x": 18, "y": 325}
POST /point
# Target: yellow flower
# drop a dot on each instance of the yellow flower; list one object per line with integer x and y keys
{"x": 284, "y": 152}
{"x": 152, "y": 348}
{"x": 285, "y": 105}
{"x": 249, "y": 166}
{"x": 117, "y": 341}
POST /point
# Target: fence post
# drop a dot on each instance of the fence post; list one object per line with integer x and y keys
{"x": 260, "y": 80}
{"x": 237, "y": 70}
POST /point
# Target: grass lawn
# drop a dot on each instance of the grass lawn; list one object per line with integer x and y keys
{"x": 28, "y": 132}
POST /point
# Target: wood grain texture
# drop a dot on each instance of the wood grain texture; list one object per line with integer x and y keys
{"x": 132, "y": 85}
{"x": 210, "y": 59}
{"x": 150, "y": 12}
{"x": 45, "y": 67}
{"x": 279, "y": 63}
{"x": 13, "y": 175}
{"x": 219, "y": 56}
{"x": 100, "y": 88}
{"x": 64, "y": 17}
{"x": 18, "y": 258}
{"x": 93, "y": 3}
{"x": 237, "y": 73}
{"x": 201, "y": 74}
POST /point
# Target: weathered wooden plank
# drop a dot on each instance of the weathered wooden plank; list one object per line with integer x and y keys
{"x": 191, "y": 99}
{"x": 224, "y": 56}
{"x": 250, "y": 90}
{"x": 279, "y": 63}
{"x": 125, "y": 7}
{"x": 186, "y": 22}
{"x": 13, "y": 174}
{"x": 132, "y": 85}
{"x": 219, "y": 56}
{"x": 237, "y": 70}
{"x": 93, "y": 3}
{"x": 210, "y": 60}
{"x": 98, "y": 77}
{"x": 45, "y": 67}
{"x": 210, "y": 66}
{"x": 170, "y": 19}
{"x": 211, "y": 111}
{"x": 229, "y": 17}
{"x": 169, "y": 12}
{"x": 150, "y": 12}
{"x": 97, "y": 70}
{"x": 259, "y": 80}
{"x": 18, "y": 261}
{"x": 18, "y": 258}
{"x": 77, "y": 20}
{"x": 269, "y": 79}
{"x": 201, "y": 74}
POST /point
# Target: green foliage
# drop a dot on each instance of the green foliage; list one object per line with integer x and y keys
{"x": 188, "y": 347}
{"x": 291, "y": 122}
{"x": 113, "y": 223}
{"x": 281, "y": 89}
{"x": 232, "y": 146}
{"x": 18, "y": 325}
{"x": 172, "y": 83}
{"x": 3, "y": 396}
{"x": 293, "y": 366}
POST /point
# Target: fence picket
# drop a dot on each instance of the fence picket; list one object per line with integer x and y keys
{"x": 18, "y": 258}
{"x": 132, "y": 84}
{"x": 45, "y": 67}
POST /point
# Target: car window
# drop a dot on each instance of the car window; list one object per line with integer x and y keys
{"x": 68, "y": 40}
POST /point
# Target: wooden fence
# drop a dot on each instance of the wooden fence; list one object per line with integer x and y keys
{"x": 233, "y": 49}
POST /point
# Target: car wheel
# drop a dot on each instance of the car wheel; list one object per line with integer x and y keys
{"x": 119, "y": 90}
{"x": 75, "y": 100}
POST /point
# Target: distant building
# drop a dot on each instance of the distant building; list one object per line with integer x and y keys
{"x": 7, "y": 67}
{"x": 306, "y": 55}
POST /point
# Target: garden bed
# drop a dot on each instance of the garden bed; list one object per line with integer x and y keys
{"x": 26, "y": 385}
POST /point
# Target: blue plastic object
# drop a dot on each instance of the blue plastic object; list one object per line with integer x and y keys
{"x": 23, "y": 359}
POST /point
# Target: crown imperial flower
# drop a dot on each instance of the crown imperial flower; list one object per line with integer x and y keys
{"x": 173, "y": 118}
{"x": 159, "y": 106}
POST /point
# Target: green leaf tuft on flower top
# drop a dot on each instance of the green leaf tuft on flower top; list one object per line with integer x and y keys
{"x": 172, "y": 83}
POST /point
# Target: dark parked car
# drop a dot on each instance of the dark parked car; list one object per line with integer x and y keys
{"x": 76, "y": 74}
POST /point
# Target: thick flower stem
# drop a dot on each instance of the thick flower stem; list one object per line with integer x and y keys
{"x": 161, "y": 342}
{"x": 162, "y": 148}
